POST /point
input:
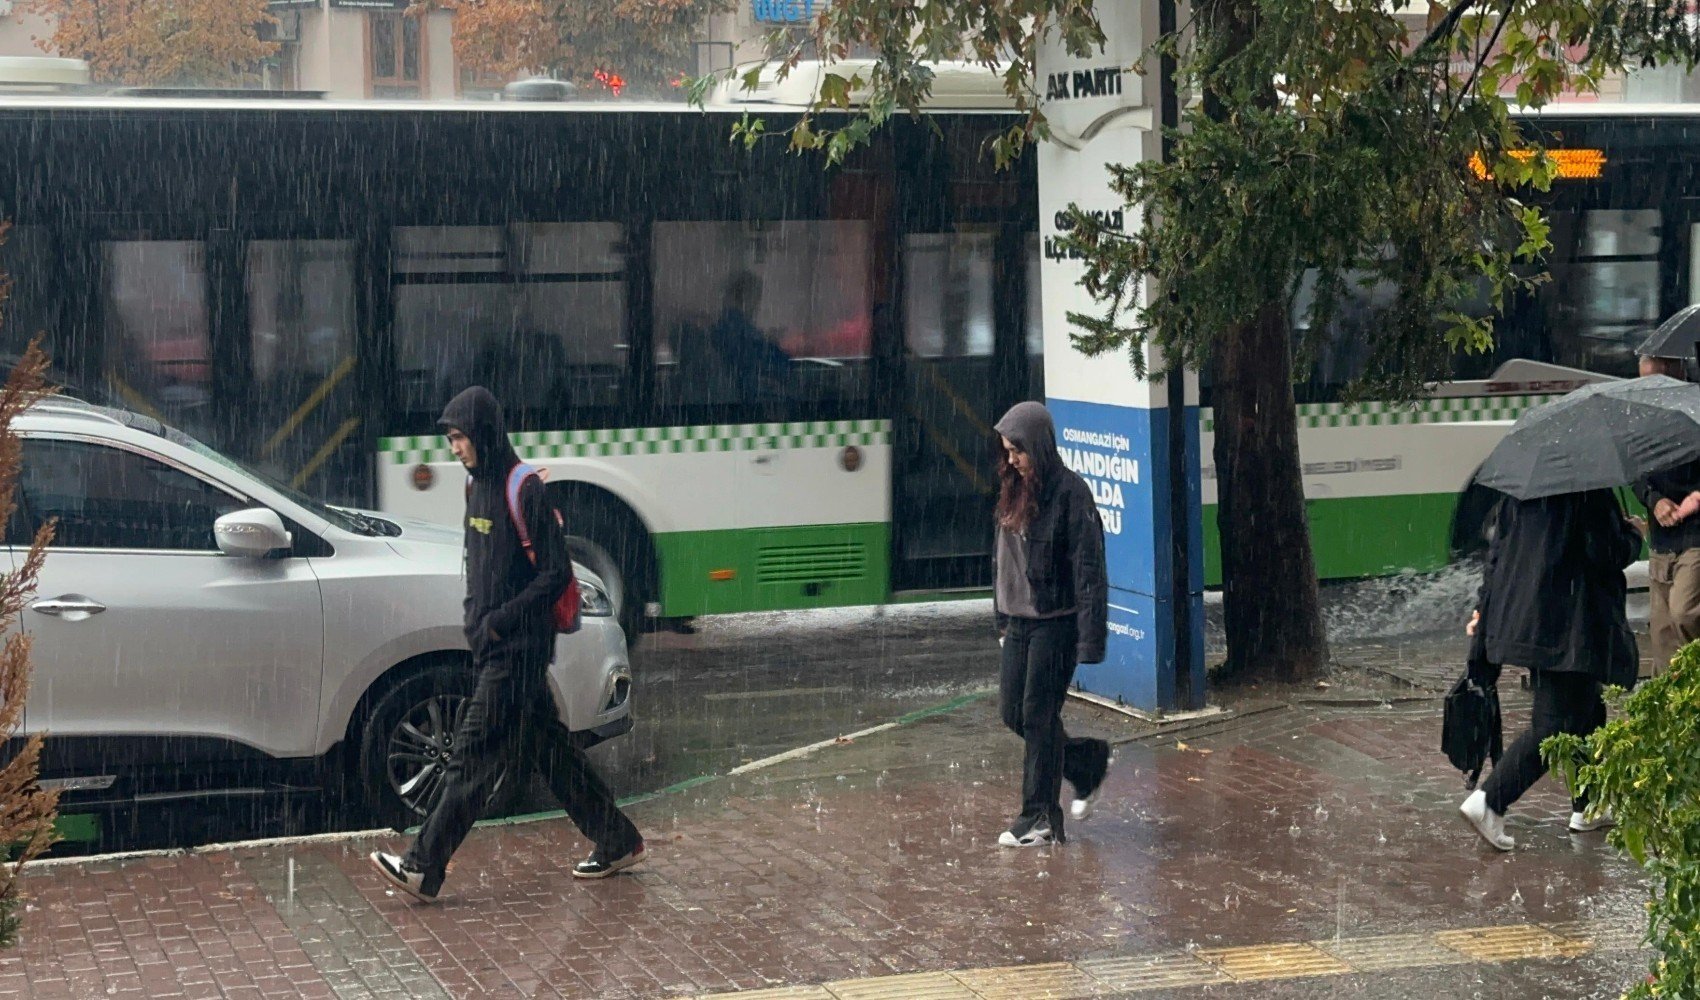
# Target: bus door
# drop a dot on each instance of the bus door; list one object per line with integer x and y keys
{"x": 964, "y": 360}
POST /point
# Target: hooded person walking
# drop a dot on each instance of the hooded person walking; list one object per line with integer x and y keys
{"x": 510, "y": 627}
{"x": 1051, "y": 602}
{"x": 1552, "y": 601}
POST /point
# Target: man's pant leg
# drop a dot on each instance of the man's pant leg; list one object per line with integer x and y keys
{"x": 486, "y": 740}
{"x": 1661, "y": 625}
{"x": 586, "y": 798}
{"x": 1683, "y": 599}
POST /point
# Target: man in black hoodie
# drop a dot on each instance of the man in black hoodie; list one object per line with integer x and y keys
{"x": 511, "y": 630}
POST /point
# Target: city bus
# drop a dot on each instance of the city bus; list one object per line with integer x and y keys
{"x": 755, "y": 382}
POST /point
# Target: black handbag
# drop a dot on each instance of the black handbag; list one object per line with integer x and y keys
{"x": 1470, "y": 729}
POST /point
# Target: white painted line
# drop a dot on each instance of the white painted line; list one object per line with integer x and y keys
{"x": 756, "y": 765}
{"x": 1118, "y": 607}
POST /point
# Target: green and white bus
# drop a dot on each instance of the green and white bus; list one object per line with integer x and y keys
{"x": 757, "y": 383}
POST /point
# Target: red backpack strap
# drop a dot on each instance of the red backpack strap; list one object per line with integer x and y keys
{"x": 516, "y": 479}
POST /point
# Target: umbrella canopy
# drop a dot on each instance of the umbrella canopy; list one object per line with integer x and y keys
{"x": 1601, "y": 436}
{"x": 1675, "y": 337}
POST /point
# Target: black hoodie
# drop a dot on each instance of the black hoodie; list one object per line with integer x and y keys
{"x": 508, "y": 601}
{"x": 1065, "y": 542}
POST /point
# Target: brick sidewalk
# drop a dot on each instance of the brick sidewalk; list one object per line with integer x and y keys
{"x": 863, "y": 860}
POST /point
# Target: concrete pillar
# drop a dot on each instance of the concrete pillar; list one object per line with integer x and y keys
{"x": 1134, "y": 441}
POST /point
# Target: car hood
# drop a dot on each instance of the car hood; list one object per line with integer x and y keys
{"x": 428, "y": 541}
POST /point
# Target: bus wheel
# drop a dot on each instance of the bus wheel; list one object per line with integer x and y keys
{"x": 607, "y": 539}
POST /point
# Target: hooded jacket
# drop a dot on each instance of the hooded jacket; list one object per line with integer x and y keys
{"x": 509, "y": 602}
{"x": 1065, "y": 542}
{"x": 1552, "y": 595}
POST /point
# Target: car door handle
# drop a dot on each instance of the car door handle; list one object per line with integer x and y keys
{"x": 71, "y": 607}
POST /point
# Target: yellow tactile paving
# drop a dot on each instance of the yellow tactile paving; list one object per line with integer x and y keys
{"x": 919, "y": 986}
{"x": 778, "y": 993}
{"x": 1273, "y": 961}
{"x": 1152, "y": 972}
{"x": 1506, "y": 944}
{"x": 1602, "y": 935}
{"x": 1392, "y": 951}
{"x": 1175, "y": 970}
{"x": 1056, "y": 981}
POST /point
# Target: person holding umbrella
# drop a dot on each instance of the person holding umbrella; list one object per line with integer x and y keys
{"x": 1553, "y": 590}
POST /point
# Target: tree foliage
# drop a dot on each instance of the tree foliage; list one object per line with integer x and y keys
{"x": 27, "y": 813}
{"x": 1644, "y": 767}
{"x": 645, "y": 44}
{"x": 154, "y": 42}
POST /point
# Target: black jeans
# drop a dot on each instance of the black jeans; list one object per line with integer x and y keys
{"x": 1038, "y": 664}
{"x": 509, "y": 714}
{"x": 1564, "y": 703}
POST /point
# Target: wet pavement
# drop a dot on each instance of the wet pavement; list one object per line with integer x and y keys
{"x": 1270, "y": 852}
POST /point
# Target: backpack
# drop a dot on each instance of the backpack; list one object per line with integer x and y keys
{"x": 566, "y": 607}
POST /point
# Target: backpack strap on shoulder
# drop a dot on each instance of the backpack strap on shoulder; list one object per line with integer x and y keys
{"x": 516, "y": 479}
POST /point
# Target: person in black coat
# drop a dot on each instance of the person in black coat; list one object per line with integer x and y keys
{"x": 1552, "y": 601}
{"x": 510, "y": 628}
{"x": 1052, "y": 605}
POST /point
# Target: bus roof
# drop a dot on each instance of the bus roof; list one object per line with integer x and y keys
{"x": 959, "y": 88}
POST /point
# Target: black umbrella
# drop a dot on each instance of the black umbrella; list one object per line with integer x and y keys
{"x": 1600, "y": 436}
{"x": 1675, "y": 337}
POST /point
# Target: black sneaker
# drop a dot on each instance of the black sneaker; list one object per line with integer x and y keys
{"x": 423, "y": 886}
{"x": 600, "y": 866}
{"x": 1027, "y": 834}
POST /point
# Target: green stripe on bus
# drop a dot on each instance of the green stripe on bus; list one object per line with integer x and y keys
{"x": 657, "y": 440}
{"x": 773, "y": 569}
{"x": 1363, "y": 536}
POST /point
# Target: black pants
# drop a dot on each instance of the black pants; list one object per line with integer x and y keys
{"x": 1038, "y": 664}
{"x": 509, "y": 716}
{"x": 1564, "y": 703}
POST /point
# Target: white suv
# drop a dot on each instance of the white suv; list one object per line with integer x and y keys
{"x": 201, "y": 630}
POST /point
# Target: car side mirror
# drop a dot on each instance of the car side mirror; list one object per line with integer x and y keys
{"x": 253, "y": 534}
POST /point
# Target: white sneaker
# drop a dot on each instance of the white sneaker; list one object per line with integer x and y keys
{"x": 1589, "y": 822}
{"x": 417, "y": 884}
{"x": 1037, "y": 835}
{"x": 1489, "y": 824}
{"x": 1082, "y": 808}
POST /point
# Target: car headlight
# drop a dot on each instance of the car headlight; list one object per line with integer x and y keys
{"x": 593, "y": 601}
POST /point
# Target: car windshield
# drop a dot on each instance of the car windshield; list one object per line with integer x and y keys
{"x": 346, "y": 520}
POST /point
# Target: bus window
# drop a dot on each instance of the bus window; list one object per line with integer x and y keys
{"x": 158, "y": 350}
{"x": 1607, "y": 292}
{"x": 754, "y": 315}
{"x": 30, "y": 308}
{"x": 1035, "y": 321}
{"x": 535, "y": 312}
{"x": 301, "y": 346}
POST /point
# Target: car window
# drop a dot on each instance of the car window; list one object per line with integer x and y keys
{"x": 110, "y": 498}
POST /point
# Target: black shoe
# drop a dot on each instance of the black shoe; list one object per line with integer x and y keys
{"x": 1027, "y": 834}
{"x": 423, "y": 886}
{"x": 599, "y": 865}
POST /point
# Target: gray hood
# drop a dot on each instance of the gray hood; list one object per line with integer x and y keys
{"x": 1030, "y": 427}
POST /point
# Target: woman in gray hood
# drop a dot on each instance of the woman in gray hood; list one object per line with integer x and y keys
{"x": 1051, "y": 603}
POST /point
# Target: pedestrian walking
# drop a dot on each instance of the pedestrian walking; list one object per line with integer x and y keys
{"x": 1672, "y": 498}
{"x": 1051, "y": 605}
{"x": 1552, "y": 601}
{"x": 510, "y": 626}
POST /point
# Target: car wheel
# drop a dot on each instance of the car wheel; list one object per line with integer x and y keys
{"x": 408, "y": 742}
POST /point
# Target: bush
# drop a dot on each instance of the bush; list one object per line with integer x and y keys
{"x": 1645, "y": 768}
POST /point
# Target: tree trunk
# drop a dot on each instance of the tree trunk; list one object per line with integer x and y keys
{"x": 1270, "y": 602}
